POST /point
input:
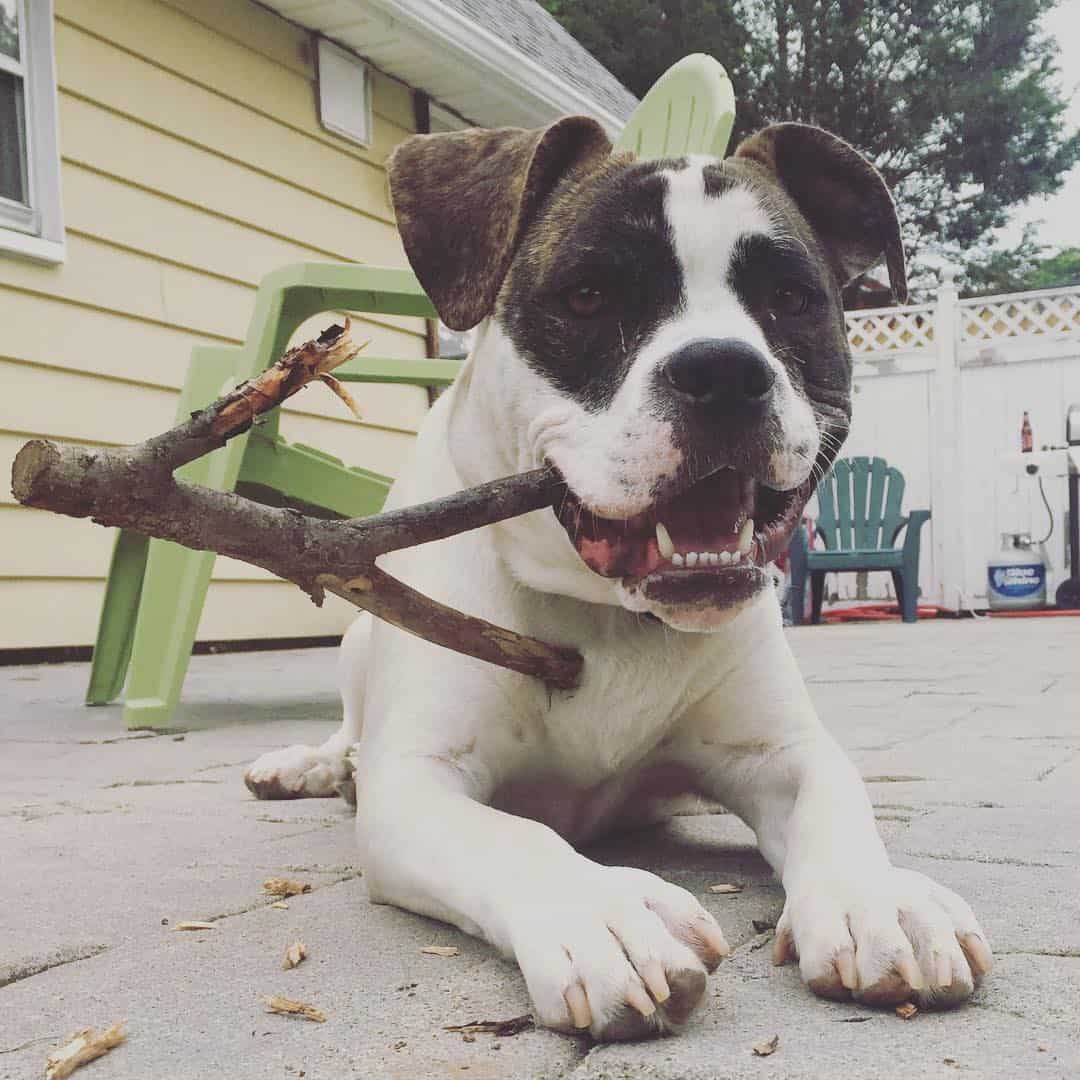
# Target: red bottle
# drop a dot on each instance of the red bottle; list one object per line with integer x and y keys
{"x": 1026, "y": 440}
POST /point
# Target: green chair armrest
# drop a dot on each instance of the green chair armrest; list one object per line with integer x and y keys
{"x": 913, "y": 524}
{"x": 374, "y": 369}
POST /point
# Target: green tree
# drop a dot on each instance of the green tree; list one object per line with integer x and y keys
{"x": 1060, "y": 269}
{"x": 9, "y": 32}
{"x": 957, "y": 102}
{"x": 1026, "y": 266}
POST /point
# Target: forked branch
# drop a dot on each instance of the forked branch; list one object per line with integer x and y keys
{"x": 134, "y": 488}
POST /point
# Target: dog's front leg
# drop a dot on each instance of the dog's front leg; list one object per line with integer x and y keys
{"x": 618, "y": 951}
{"x": 857, "y": 925}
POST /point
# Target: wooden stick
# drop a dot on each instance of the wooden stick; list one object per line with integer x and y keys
{"x": 134, "y": 488}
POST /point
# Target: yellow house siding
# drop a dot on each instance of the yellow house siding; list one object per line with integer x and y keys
{"x": 193, "y": 164}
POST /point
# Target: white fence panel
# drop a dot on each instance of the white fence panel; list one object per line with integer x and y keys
{"x": 940, "y": 391}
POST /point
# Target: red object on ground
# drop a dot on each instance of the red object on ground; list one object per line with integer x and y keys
{"x": 877, "y": 613}
{"x": 891, "y": 613}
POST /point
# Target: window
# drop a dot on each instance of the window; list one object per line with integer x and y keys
{"x": 30, "y": 215}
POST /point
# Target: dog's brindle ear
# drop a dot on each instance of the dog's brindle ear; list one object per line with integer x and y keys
{"x": 463, "y": 201}
{"x": 841, "y": 195}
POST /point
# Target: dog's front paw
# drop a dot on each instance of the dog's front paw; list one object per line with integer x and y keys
{"x": 297, "y": 772}
{"x": 624, "y": 954}
{"x": 896, "y": 937}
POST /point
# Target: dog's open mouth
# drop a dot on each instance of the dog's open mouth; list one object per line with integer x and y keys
{"x": 708, "y": 544}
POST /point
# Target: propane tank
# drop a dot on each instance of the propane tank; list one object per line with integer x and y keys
{"x": 1016, "y": 576}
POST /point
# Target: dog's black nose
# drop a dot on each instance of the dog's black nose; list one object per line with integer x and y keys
{"x": 720, "y": 373}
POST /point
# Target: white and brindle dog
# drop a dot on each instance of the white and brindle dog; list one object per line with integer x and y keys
{"x": 669, "y": 336}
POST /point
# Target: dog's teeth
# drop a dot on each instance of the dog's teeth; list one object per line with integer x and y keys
{"x": 677, "y": 559}
{"x": 736, "y": 556}
{"x": 691, "y": 558}
{"x": 746, "y": 536}
{"x": 725, "y": 558}
{"x": 663, "y": 540}
{"x": 714, "y": 558}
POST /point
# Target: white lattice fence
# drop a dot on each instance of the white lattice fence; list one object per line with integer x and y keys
{"x": 883, "y": 331}
{"x": 1055, "y": 313}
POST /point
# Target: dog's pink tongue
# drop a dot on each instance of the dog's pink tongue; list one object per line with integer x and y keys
{"x": 619, "y": 556}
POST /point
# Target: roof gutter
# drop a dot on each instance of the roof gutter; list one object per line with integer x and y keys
{"x": 519, "y": 77}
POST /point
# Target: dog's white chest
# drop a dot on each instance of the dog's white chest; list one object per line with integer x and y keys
{"x": 639, "y": 678}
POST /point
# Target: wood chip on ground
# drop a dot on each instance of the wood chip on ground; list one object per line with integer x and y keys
{"x": 761, "y": 940}
{"x": 514, "y": 1026}
{"x": 440, "y": 950}
{"x": 280, "y": 886}
{"x": 764, "y": 1049}
{"x": 725, "y": 888}
{"x": 83, "y": 1046}
{"x": 907, "y": 1010}
{"x": 195, "y": 926}
{"x": 288, "y": 1007}
{"x": 294, "y": 954}
{"x": 280, "y": 905}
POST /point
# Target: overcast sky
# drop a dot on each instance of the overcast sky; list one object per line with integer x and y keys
{"x": 1061, "y": 213}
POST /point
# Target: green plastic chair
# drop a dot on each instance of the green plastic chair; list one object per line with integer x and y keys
{"x": 859, "y": 519}
{"x": 155, "y": 591}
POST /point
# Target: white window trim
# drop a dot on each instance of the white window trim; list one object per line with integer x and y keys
{"x": 37, "y": 231}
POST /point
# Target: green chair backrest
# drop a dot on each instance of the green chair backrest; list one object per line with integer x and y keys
{"x": 689, "y": 110}
{"x": 859, "y": 504}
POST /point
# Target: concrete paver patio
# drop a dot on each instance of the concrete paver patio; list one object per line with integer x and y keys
{"x": 968, "y": 734}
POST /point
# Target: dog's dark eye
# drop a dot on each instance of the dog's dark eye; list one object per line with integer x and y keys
{"x": 789, "y": 298}
{"x": 584, "y": 301}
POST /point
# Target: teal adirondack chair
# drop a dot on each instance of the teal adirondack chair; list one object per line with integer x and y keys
{"x": 859, "y": 519}
{"x": 155, "y": 591}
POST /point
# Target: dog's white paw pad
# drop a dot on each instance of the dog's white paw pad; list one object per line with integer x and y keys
{"x": 611, "y": 962}
{"x": 296, "y": 772}
{"x": 886, "y": 941}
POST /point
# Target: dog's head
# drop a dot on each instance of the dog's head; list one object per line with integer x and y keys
{"x": 667, "y": 334}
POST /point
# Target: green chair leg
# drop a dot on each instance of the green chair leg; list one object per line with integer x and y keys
{"x": 176, "y": 579}
{"x": 173, "y": 596}
{"x": 116, "y": 627}
{"x": 912, "y": 537}
{"x": 817, "y": 595}
{"x": 907, "y": 594}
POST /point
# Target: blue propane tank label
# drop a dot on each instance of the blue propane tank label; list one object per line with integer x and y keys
{"x": 1017, "y": 581}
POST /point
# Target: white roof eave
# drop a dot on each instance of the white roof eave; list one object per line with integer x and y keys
{"x": 506, "y": 86}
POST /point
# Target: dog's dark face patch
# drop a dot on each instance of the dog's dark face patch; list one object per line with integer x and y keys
{"x": 595, "y": 276}
{"x": 785, "y": 282}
